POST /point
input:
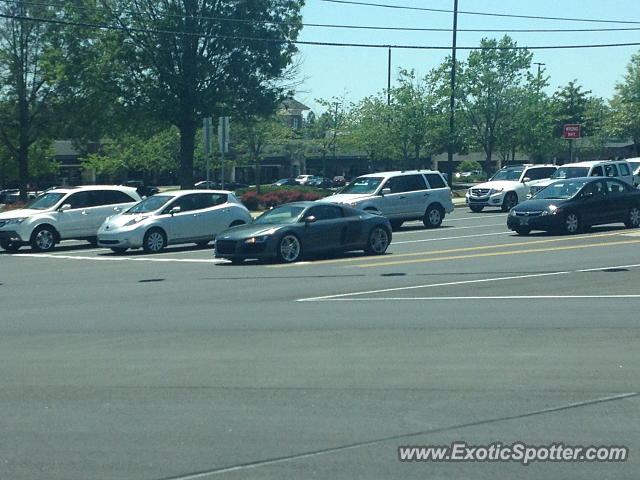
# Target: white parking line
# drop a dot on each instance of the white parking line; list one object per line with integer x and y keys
{"x": 502, "y": 297}
{"x": 461, "y": 282}
{"x": 122, "y": 259}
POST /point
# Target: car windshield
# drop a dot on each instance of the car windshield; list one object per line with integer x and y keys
{"x": 282, "y": 214}
{"x": 46, "y": 201}
{"x": 362, "y": 185}
{"x": 509, "y": 173}
{"x": 150, "y": 204}
{"x": 560, "y": 189}
{"x": 571, "y": 172}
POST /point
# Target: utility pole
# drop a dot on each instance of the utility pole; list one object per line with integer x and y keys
{"x": 539, "y": 66}
{"x": 389, "y": 78}
{"x": 452, "y": 100}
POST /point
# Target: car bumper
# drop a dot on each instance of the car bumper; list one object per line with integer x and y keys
{"x": 540, "y": 222}
{"x": 127, "y": 239}
{"x": 10, "y": 235}
{"x": 488, "y": 201}
{"x": 230, "y": 249}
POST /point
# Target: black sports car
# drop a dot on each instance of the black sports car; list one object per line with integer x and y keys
{"x": 574, "y": 204}
{"x": 289, "y": 231}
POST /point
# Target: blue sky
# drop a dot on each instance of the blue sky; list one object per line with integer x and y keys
{"x": 354, "y": 73}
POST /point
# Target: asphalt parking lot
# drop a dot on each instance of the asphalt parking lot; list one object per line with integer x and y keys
{"x": 178, "y": 365}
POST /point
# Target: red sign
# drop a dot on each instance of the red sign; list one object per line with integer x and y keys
{"x": 571, "y": 131}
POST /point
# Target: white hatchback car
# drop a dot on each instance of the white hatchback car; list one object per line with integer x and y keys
{"x": 63, "y": 213}
{"x": 181, "y": 216}
{"x": 400, "y": 196}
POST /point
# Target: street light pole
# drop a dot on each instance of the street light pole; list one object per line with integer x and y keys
{"x": 452, "y": 100}
{"x": 389, "y": 78}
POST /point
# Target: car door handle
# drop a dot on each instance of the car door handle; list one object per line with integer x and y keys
{"x": 427, "y": 194}
{"x": 84, "y": 212}
{"x": 401, "y": 198}
{"x": 117, "y": 209}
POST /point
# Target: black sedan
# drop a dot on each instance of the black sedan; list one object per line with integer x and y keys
{"x": 573, "y": 205}
{"x": 289, "y": 231}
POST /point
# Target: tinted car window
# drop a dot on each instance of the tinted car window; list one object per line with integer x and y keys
{"x": 111, "y": 197}
{"x": 79, "y": 200}
{"x": 406, "y": 183}
{"x": 539, "y": 173}
{"x": 325, "y": 212}
{"x": 596, "y": 172}
{"x": 615, "y": 187}
{"x": 593, "y": 189}
{"x": 208, "y": 200}
{"x": 435, "y": 180}
{"x": 186, "y": 203}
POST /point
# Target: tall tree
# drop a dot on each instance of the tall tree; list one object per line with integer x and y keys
{"x": 28, "y": 89}
{"x": 192, "y": 58}
{"x": 625, "y": 105}
{"x": 489, "y": 82}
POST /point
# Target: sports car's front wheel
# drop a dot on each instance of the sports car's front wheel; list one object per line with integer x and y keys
{"x": 378, "y": 241}
{"x": 289, "y": 249}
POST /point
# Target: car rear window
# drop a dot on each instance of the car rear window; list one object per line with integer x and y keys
{"x": 435, "y": 180}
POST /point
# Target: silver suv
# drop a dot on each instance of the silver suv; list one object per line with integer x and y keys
{"x": 400, "y": 196}
{"x": 63, "y": 213}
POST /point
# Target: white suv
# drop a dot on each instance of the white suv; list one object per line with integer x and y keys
{"x": 399, "y": 196}
{"x": 619, "y": 169}
{"x": 62, "y": 213}
{"x": 507, "y": 187}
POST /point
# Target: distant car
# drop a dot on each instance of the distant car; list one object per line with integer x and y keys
{"x": 507, "y": 187}
{"x": 62, "y": 213}
{"x": 142, "y": 189}
{"x": 575, "y": 204}
{"x": 181, "y": 216}
{"x": 339, "y": 181}
{"x": 619, "y": 169}
{"x": 634, "y": 163}
{"x": 320, "y": 182}
{"x": 284, "y": 181}
{"x": 217, "y": 185}
{"x": 291, "y": 231}
{"x": 9, "y": 196}
{"x": 304, "y": 179}
{"x": 400, "y": 196}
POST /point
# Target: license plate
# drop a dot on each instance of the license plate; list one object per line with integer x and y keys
{"x": 524, "y": 221}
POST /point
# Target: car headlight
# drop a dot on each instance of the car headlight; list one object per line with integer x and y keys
{"x": 15, "y": 221}
{"x": 551, "y": 210}
{"x": 259, "y": 239}
{"x": 512, "y": 213}
{"x": 496, "y": 190}
{"x": 135, "y": 220}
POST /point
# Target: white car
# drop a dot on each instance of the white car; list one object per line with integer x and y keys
{"x": 181, "y": 216}
{"x": 400, "y": 196}
{"x": 304, "y": 179}
{"x": 620, "y": 169}
{"x": 63, "y": 213}
{"x": 634, "y": 163}
{"x": 507, "y": 187}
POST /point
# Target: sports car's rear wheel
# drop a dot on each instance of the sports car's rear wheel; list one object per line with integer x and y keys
{"x": 378, "y": 241}
{"x": 289, "y": 248}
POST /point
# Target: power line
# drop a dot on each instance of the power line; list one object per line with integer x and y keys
{"x": 486, "y": 14}
{"x": 350, "y": 27}
{"x": 302, "y": 42}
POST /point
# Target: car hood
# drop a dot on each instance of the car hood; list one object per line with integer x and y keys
{"x": 251, "y": 230}
{"x": 504, "y": 184}
{"x": 346, "y": 198}
{"x": 20, "y": 213}
{"x": 119, "y": 220}
{"x": 542, "y": 183}
{"x": 534, "y": 205}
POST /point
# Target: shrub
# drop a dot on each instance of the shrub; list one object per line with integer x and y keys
{"x": 250, "y": 200}
{"x": 273, "y": 198}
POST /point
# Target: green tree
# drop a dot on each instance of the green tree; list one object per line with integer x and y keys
{"x": 188, "y": 59}
{"x": 367, "y": 131}
{"x": 489, "y": 83}
{"x": 624, "y": 120}
{"x": 325, "y": 131}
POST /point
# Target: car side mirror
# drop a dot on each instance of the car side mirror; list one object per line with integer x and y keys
{"x": 175, "y": 210}
{"x": 310, "y": 219}
{"x": 64, "y": 208}
{"x": 526, "y": 179}
{"x": 385, "y": 191}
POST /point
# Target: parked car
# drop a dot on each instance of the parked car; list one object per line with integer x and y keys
{"x": 507, "y": 187}
{"x": 634, "y": 164}
{"x": 304, "y": 179}
{"x": 9, "y": 196}
{"x": 142, "y": 189}
{"x": 320, "y": 182}
{"x": 217, "y": 185}
{"x": 339, "y": 181}
{"x": 291, "y": 231}
{"x": 619, "y": 169}
{"x": 575, "y": 204}
{"x": 284, "y": 181}
{"x": 400, "y": 196}
{"x": 63, "y": 213}
{"x": 168, "y": 218}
